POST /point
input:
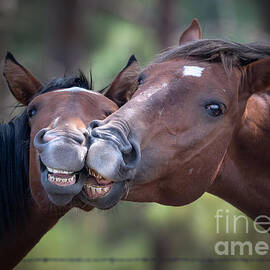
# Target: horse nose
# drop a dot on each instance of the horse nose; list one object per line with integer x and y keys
{"x": 39, "y": 141}
{"x": 94, "y": 124}
{"x": 93, "y": 130}
{"x": 46, "y": 135}
{"x": 112, "y": 151}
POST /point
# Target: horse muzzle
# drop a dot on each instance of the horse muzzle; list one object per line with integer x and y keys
{"x": 112, "y": 153}
{"x": 112, "y": 156}
{"x": 62, "y": 158}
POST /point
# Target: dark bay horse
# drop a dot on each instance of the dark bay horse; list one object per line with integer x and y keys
{"x": 42, "y": 153}
{"x": 198, "y": 122}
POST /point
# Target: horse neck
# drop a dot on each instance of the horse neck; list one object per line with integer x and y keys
{"x": 16, "y": 244}
{"x": 21, "y": 223}
{"x": 244, "y": 177}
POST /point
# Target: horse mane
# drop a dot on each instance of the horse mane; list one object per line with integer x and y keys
{"x": 14, "y": 160}
{"x": 230, "y": 54}
{"x": 66, "y": 82}
{"x": 14, "y": 180}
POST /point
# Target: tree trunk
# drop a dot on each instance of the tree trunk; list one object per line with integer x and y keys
{"x": 265, "y": 5}
{"x": 66, "y": 41}
{"x": 166, "y": 22}
{"x": 161, "y": 249}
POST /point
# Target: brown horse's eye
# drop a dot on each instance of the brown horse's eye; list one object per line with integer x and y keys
{"x": 141, "y": 79}
{"x": 107, "y": 113}
{"x": 32, "y": 112}
{"x": 215, "y": 109}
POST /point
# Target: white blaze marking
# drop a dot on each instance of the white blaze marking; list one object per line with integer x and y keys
{"x": 77, "y": 89}
{"x": 193, "y": 71}
{"x": 55, "y": 122}
{"x": 154, "y": 89}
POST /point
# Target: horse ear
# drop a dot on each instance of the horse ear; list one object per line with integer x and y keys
{"x": 22, "y": 84}
{"x": 257, "y": 76}
{"x": 193, "y": 32}
{"x": 125, "y": 83}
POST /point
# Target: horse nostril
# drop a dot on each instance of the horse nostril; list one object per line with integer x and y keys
{"x": 86, "y": 135}
{"x": 93, "y": 130}
{"x": 40, "y": 140}
{"x": 79, "y": 138}
{"x": 133, "y": 157}
{"x": 94, "y": 124}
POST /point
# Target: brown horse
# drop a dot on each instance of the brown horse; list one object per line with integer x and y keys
{"x": 199, "y": 122}
{"x": 42, "y": 154}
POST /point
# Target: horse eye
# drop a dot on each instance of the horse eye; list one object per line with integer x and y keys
{"x": 140, "y": 80}
{"x": 32, "y": 112}
{"x": 107, "y": 113}
{"x": 215, "y": 109}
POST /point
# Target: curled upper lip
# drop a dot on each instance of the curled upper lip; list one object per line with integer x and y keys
{"x": 66, "y": 135}
{"x": 108, "y": 135}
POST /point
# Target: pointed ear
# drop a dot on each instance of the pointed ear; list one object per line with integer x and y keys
{"x": 193, "y": 32}
{"x": 22, "y": 84}
{"x": 125, "y": 83}
{"x": 257, "y": 76}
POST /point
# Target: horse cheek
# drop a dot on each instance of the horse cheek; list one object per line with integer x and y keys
{"x": 36, "y": 188}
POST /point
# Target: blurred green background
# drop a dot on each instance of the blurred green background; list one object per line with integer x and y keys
{"x": 54, "y": 37}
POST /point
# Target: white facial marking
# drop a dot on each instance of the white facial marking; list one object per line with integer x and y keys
{"x": 193, "y": 71}
{"x": 77, "y": 89}
{"x": 146, "y": 95}
{"x": 154, "y": 89}
{"x": 55, "y": 122}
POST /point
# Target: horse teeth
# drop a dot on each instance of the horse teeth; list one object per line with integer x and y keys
{"x": 51, "y": 170}
{"x": 70, "y": 180}
{"x": 95, "y": 174}
{"x": 97, "y": 191}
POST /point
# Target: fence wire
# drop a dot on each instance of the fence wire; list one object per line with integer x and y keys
{"x": 146, "y": 260}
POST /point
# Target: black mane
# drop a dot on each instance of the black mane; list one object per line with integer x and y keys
{"x": 14, "y": 162}
{"x": 230, "y": 54}
{"x": 14, "y": 159}
{"x": 67, "y": 82}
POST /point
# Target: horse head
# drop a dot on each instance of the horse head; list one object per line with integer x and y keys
{"x": 169, "y": 141}
{"x": 58, "y": 114}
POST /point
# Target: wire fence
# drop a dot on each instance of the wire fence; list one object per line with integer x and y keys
{"x": 146, "y": 260}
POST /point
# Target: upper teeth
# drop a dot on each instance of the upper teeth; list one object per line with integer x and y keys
{"x": 95, "y": 174}
{"x": 58, "y": 171}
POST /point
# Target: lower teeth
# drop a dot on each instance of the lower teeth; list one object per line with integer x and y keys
{"x": 70, "y": 180}
{"x": 94, "y": 191}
